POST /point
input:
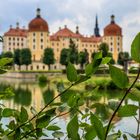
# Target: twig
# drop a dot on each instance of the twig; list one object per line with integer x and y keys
{"x": 41, "y": 109}
{"x": 49, "y": 122}
{"x": 126, "y": 93}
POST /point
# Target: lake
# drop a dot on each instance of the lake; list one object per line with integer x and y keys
{"x": 30, "y": 94}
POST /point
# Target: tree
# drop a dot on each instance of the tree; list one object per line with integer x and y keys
{"x": 83, "y": 58}
{"x": 8, "y": 54}
{"x": 17, "y": 57}
{"x": 64, "y": 56}
{"x": 104, "y": 48}
{"x": 48, "y": 57}
{"x": 123, "y": 58}
{"x": 73, "y": 55}
{"x": 25, "y": 57}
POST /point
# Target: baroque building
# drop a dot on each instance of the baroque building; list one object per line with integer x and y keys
{"x": 37, "y": 38}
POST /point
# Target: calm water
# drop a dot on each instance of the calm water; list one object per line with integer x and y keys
{"x": 31, "y": 94}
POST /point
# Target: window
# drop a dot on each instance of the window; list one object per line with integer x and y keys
{"x": 118, "y": 49}
{"x": 34, "y": 47}
{"x": 37, "y": 67}
{"x": 111, "y": 43}
{"x": 111, "y": 38}
{"x": 43, "y": 67}
{"x": 41, "y": 40}
{"x": 17, "y": 39}
{"x": 63, "y": 44}
{"x": 41, "y": 34}
{"x": 34, "y": 57}
{"x": 9, "y": 38}
{"x": 33, "y": 34}
{"x": 41, "y": 46}
{"x": 9, "y": 49}
{"x": 9, "y": 43}
{"x": 13, "y": 44}
{"x": 17, "y": 44}
{"x": 57, "y": 44}
{"x": 118, "y": 43}
{"x": 31, "y": 67}
{"x": 118, "y": 38}
{"x": 90, "y": 45}
{"x": 33, "y": 40}
{"x": 111, "y": 49}
{"x": 21, "y": 44}
{"x": 21, "y": 39}
{"x": 13, "y": 38}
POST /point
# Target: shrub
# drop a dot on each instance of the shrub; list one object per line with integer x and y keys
{"x": 42, "y": 79}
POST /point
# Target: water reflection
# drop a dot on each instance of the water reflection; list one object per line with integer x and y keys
{"x": 31, "y": 94}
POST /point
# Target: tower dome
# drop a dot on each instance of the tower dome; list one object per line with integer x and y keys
{"x": 112, "y": 29}
{"x": 38, "y": 23}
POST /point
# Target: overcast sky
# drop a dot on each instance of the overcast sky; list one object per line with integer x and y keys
{"x": 74, "y": 12}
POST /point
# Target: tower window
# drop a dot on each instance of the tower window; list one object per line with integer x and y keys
{"x": 41, "y": 34}
{"x": 118, "y": 43}
{"x": 33, "y": 34}
{"x": 41, "y": 40}
{"x": 34, "y": 47}
{"x": 33, "y": 40}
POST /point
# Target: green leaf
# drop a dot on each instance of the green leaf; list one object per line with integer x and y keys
{"x": 98, "y": 55}
{"x": 98, "y": 126}
{"x": 7, "y": 112}
{"x": 135, "y": 48}
{"x": 2, "y": 71}
{"x": 81, "y": 78}
{"x": 23, "y": 115}
{"x": 58, "y": 134}
{"x": 5, "y": 61}
{"x": 71, "y": 72}
{"x": 72, "y": 128}
{"x": 106, "y": 60}
{"x": 90, "y": 133}
{"x": 53, "y": 128}
{"x": 12, "y": 125}
{"x": 43, "y": 121}
{"x": 128, "y": 110}
{"x": 89, "y": 69}
{"x": 119, "y": 77}
{"x": 39, "y": 132}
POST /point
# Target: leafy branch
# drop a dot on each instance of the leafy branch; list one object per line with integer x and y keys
{"x": 126, "y": 93}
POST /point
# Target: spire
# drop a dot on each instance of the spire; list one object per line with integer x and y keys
{"x": 96, "y": 29}
{"x": 38, "y": 12}
{"x": 77, "y": 29}
{"x": 112, "y": 19}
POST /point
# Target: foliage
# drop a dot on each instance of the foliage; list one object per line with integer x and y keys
{"x": 26, "y": 57}
{"x": 73, "y": 52}
{"x": 64, "y": 56}
{"x": 42, "y": 79}
{"x": 17, "y": 56}
{"x": 48, "y": 57}
{"x": 123, "y": 56}
{"x": 83, "y": 58}
{"x": 89, "y": 121}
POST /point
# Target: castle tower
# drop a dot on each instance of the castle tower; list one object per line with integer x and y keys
{"x": 113, "y": 37}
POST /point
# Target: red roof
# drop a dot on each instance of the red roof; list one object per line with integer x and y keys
{"x": 16, "y": 32}
{"x": 38, "y": 24}
{"x": 91, "y": 39}
{"x": 66, "y": 33}
{"x": 112, "y": 30}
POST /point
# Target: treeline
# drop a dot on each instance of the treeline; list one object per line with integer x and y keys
{"x": 24, "y": 56}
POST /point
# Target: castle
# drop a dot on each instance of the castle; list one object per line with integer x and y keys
{"x": 37, "y": 38}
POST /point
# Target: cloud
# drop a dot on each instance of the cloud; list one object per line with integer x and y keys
{"x": 74, "y": 12}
